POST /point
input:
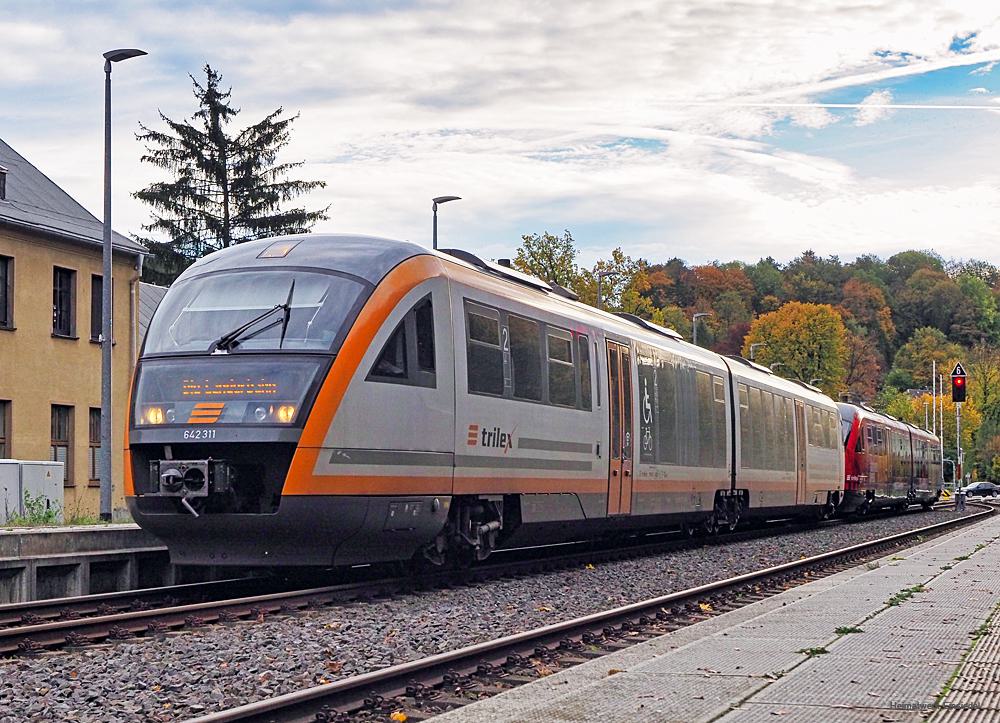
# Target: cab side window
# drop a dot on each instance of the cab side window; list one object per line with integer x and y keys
{"x": 408, "y": 356}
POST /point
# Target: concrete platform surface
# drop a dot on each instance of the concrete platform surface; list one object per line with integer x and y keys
{"x": 908, "y": 638}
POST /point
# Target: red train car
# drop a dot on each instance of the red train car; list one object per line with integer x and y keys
{"x": 887, "y": 462}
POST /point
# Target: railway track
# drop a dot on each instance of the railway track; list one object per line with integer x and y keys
{"x": 29, "y": 628}
{"x": 424, "y": 688}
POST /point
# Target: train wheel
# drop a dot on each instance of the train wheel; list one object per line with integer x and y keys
{"x": 864, "y": 509}
{"x": 688, "y": 530}
{"x": 711, "y": 525}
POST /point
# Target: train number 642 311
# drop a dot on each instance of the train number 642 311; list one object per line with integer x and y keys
{"x": 199, "y": 434}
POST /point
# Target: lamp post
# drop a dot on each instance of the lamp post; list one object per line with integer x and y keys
{"x": 694, "y": 325}
{"x": 815, "y": 381}
{"x": 754, "y": 347}
{"x": 600, "y": 281}
{"x": 107, "y": 337}
{"x": 436, "y": 201}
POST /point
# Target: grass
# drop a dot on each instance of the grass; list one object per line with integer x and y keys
{"x": 41, "y": 512}
{"x": 848, "y": 629}
{"x": 813, "y": 652}
{"x": 903, "y": 595}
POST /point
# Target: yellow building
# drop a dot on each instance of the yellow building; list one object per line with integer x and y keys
{"x": 50, "y": 319}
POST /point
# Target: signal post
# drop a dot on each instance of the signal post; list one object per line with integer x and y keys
{"x": 958, "y": 387}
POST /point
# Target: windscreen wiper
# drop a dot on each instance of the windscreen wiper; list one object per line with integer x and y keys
{"x": 225, "y": 343}
{"x": 287, "y": 315}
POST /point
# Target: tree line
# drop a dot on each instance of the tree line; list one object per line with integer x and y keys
{"x": 866, "y": 330}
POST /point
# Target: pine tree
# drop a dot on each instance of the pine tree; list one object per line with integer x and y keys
{"x": 227, "y": 187}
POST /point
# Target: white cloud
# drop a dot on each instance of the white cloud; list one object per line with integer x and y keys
{"x": 558, "y": 114}
{"x": 872, "y": 108}
{"x": 985, "y": 69}
{"x": 981, "y": 91}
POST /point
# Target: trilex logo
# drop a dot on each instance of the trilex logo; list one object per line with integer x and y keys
{"x": 494, "y": 437}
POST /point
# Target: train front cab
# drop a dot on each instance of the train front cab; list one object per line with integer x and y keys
{"x": 232, "y": 456}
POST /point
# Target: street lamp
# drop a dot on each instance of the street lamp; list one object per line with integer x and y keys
{"x": 440, "y": 199}
{"x": 600, "y": 281}
{"x": 112, "y": 56}
{"x": 814, "y": 382}
{"x": 694, "y": 325}
{"x": 754, "y": 347}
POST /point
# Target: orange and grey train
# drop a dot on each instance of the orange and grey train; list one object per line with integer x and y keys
{"x": 340, "y": 400}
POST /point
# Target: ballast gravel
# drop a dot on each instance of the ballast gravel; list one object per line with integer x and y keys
{"x": 186, "y": 674}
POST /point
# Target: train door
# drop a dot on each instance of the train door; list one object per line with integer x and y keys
{"x": 620, "y": 421}
{"x": 800, "y": 453}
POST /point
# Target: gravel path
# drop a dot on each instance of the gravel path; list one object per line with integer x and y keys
{"x": 185, "y": 674}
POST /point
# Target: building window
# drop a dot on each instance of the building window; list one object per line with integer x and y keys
{"x": 6, "y": 292}
{"x": 63, "y": 302}
{"x": 94, "y": 453}
{"x": 5, "y": 452}
{"x": 96, "y": 306}
{"x": 62, "y": 440}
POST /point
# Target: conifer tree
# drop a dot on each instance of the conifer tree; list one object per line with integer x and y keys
{"x": 226, "y": 186}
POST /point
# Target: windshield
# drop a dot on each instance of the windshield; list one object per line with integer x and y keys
{"x": 197, "y": 312}
{"x": 221, "y": 390}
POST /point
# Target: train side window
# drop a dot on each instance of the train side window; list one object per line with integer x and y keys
{"x": 719, "y": 418}
{"x": 746, "y": 428}
{"x": 562, "y": 373}
{"x": 756, "y": 415}
{"x": 526, "y": 358}
{"x": 586, "y": 378}
{"x": 391, "y": 363}
{"x": 408, "y": 355}
{"x": 484, "y": 351}
{"x": 666, "y": 412}
{"x": 423, "y": 317}
{"x": 706, "y": 426}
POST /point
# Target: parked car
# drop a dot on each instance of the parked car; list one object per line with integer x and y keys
{"x": 981, "y": 489}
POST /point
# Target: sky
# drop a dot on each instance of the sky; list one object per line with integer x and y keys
{"x": 705, "y": 130}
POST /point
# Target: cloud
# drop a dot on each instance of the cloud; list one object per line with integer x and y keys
{"x": 981, "y": 91}
{"x": 623, "y": 116}
{"x": 872, "y": 109}
{"x": 985, "y": 69}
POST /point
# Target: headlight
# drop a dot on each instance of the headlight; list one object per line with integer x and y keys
{"x": 286, "y": 413}
{"x": 153, "y": 415}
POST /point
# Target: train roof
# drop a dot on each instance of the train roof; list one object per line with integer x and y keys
{"x": 367, "y": 257}
{"x": 371, "y": 258}
{"x": 849, "y": 411}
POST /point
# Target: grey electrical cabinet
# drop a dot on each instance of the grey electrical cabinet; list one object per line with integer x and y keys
{"x": 38, "y": 482}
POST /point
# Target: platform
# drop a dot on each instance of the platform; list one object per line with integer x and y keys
{"x": 929, "y": 649}
{"x": 49, "y": 562}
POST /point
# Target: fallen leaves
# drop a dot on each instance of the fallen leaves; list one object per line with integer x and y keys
{"x": 398, "y": 716}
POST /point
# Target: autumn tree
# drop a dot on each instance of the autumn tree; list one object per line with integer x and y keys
{"x": 912, "y": 364}
{"x": 809, "y": 341}
{"x": 927, "y": 298}
{"x": 864, "y": 303}
{"x": 863, "y": 366}
{"x": 623, "y": 282}
{"x": 549, "y": 257}
{"x": 226, "y": 187}
{"x": 813, "y": 279}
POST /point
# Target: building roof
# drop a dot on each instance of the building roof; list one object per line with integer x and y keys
{"x": 150, "y": 296}
{"x": 35, "y": 203}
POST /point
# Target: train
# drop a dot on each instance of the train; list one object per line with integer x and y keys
{"x": 888, "y": 463}
{"x": 337, "y": 400}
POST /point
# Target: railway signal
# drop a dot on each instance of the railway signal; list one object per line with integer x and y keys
{"x": 958, "y": 377}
